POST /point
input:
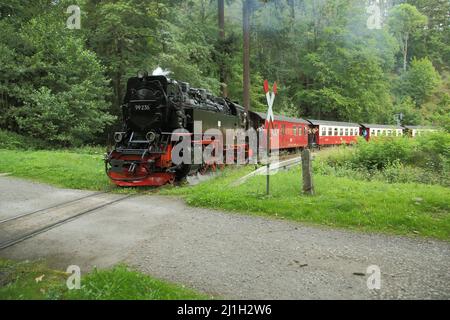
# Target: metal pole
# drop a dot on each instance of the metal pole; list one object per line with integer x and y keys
{"x": 268, "y": 157}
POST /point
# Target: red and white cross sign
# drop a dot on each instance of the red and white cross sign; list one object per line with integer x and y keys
{"x": 270, "y": 99}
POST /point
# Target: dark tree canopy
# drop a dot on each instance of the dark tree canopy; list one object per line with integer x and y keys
{"x": 66, "y": 86}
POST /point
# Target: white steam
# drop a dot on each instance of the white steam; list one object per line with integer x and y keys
{"x": 161, "y": 72}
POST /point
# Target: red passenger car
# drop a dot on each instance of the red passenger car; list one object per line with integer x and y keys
{"x": 292, "y": 133}
{"x": 324, "y": 133}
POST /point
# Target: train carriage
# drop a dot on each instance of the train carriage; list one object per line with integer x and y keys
{"x": 323, "y": 133}
{"x": 414, "y": 131}
{"x": 369, "y": 131}
{"x": 292, "y": 133}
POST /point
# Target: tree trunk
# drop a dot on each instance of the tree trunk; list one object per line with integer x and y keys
{"x": 292, "y": 8}
{"x": 405, "y": 53}
{"x": 222, "y": 71}
{"x": 246, "y": 58}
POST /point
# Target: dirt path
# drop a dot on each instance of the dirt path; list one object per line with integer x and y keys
{"x": 230, "y": 255}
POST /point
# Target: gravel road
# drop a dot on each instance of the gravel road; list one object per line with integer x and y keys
{"x": 229, "y": 255}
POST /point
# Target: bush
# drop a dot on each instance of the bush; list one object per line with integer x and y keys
{"x": 400, "y": 173}
{"x": 13, "y": 141}
{"x": 425, "y": 159}
{"x": 379, "y": 153}
{"x": 430, "y": 151}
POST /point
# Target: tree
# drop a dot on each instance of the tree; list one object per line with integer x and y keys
{"x": 221, "y": 16}
{"x": 54, "y": 88}
{"x": 246, "y": 11}
{"x": 120, "y": 32}
{"x": 433, "y": 41}
{"x": 405, "y": 19}
{"x": 407, "y": 108}
{"x": 420, "y": 81}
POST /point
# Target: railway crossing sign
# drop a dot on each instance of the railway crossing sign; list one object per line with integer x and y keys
{"x": 270, "y": 118}
{"x": 270, "y": 99}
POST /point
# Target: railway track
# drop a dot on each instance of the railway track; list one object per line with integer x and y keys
{"x": 28, "y": 225}
{"x": 280, "y": 165}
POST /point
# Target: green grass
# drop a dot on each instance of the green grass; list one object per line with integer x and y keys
{"x": 34, "y": 280}
{"x": 406, "y": 209}
{"x": 76, "y": 169}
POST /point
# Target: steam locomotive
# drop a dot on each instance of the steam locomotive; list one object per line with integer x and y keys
{"x": 154, "y": 108}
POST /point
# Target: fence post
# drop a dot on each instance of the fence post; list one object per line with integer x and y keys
{"x": 308, "y": 187}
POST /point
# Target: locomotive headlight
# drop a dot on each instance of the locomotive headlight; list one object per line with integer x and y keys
{"x": 150, "y": 136}
{"x": 118, "y": 136}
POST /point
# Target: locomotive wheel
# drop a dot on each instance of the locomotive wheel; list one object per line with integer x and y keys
{"x": 183, "y": 172}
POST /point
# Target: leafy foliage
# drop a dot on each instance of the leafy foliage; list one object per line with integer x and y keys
{"x": 425, "y": 159}
{"x": 53, "y": 88}
{"x": 420, "y": 81}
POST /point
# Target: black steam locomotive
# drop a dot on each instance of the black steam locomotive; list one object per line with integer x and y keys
{"x": 154, "y": 107}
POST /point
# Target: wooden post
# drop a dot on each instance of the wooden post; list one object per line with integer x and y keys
{"x": 268, "y": 156}
{"x": 308, "y": 186}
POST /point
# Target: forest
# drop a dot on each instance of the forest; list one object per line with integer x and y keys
{"x": 332, "y": 59}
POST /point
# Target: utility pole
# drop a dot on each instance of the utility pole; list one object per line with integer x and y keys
{"x": 246, "y": 58}
{"x": 223, "y": 76}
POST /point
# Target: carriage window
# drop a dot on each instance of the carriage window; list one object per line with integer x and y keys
{"x": 335, "y": 131}
{"x": 294, "y": 130}
{"x": 389, "y": 133}
{"x": 330, "y": 131}
{"x": 378, "y": 132}
{"x": 283, "y": 129}
{"x": 324, "y": 131}
{"x": 372, "y": 132}
{"x": 346, "y": 131}
{"x": 341, "y": 131}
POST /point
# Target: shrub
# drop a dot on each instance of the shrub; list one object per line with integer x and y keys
{"x": 12, "y": 141}
{"x": 378, "y": 153}
{"x": 425, "y": 159}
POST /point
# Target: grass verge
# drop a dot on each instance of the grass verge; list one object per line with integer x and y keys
{"x": 35, "y": 281}
{"x": 77, "y": 169}
{"x": 401, "y": 208}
